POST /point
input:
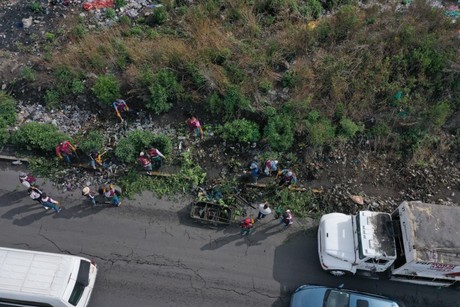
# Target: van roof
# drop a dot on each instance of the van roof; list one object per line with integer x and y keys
{"x": 30, "y": 272}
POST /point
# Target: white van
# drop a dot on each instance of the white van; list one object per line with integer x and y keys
{"x": 30, "y": 278}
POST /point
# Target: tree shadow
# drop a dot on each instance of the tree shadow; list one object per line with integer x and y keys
{"x": 12, "y": 198}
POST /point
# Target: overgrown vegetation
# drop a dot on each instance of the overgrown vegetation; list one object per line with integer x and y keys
{"x": 39, "y": 137}
{"x": 129, "y": 147}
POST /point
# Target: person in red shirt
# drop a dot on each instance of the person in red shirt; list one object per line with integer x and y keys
{"x": 27, "y": 180}
{"x": 120, "y": 107}
{"x": 145, "y": 163}
{"x": 246, "y": 226}
{"x": 195, "y": 127}
{"x": 65, "y": 150}
{"x": 156, "y": 157}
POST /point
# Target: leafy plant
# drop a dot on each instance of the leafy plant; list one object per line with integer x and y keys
{"x": 77, "y": 87}
{"x": 78, "y": 31}
{"x": 49, "y": 168}
{"x": 159, "y": 15}
{"x": 230, "y": 104}
{"x": 4, "y": 136}
{"x": 106, "y": 88}
{"x": 348, "y": 128}
{"x": 438, "y": 114}
{"x": 35, "y": 7}
{"x": 94, "y": 140}
{"x": 50, "y": 37}
{"x": 129, "y": 147}
{"x": 28, "y": 73}
{"x": 301, "y": 204}
{"x": 164, "y": 90}
{"x": 279, "y": 132}
{"x": 110, "y": 13}
{"x": 51, "y": 98}
{"x": 119, "y": 3}
{"x": 311, "y": 9}
{"x": 320, "y": 130}
{"x": 38, "y": 136}
{"x": 7, "y": 110}
{"x": 240, "y": 130}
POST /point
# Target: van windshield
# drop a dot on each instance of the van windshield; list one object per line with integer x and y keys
{"x": 81, "y": 283}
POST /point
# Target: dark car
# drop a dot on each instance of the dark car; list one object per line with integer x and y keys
{"x": 321, "y": 296}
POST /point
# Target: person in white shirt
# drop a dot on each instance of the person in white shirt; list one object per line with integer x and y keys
{"x": 264, "y": 210}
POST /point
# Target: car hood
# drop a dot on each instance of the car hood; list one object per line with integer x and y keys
{"x": 309, "y": 296}
{"x": 337, "y": 232}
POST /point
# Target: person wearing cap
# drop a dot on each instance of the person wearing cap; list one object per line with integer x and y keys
{"x": 287, "y": 219}
{"x": 271, "y": 166}
{"x": 48, "y": 202}
{"x": 27, "y": 180}
{"x": 155, "y": 156}
{"x": 145, "y": 163}
{"x": 246, "y": 226}
{"x": 264, "y": 210}
{"x": 288, "y": 178}
{"x": 89, "y": 194}
{"x": 65, "y": 150}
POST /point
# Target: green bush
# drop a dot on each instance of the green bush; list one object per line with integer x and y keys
{"x": 240, "y": 130}
{"x": 233, "y": 102}
{"x": 110, "y": 13}
{"x": 35, "y": 7}
{"x": 94, "y": 140}
{"x": 7, "y": 110}
{"x": 299, "y": 203}
{"x": 38, "y": 136}
{"x": 4, "y": 136}
{"x": 28, "y": 73}
{"x": 279, "y": 132}
{"x": 51, "y": 98}
{"x": 311, "y": 9}
{"x": 159, "y": 15}
{"x": 265, "y": 85}
{"x": 129, "y": 147}
{"x": 164, "y": 90}
{"x": 77, "y": 87}
{"x": 78, "y": 31}
{"x": 107, "y": 88}
{"x": 320, "y": 130}
{"x": 119, "y": 3}
{"x": 348, "y": 128}
{"x": 50, "y": 37}
{"x": 438, "y": 114}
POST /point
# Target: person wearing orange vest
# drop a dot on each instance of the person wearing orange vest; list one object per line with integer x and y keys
{"x": 65, "y": 150}
{"x": 145, "y": 163}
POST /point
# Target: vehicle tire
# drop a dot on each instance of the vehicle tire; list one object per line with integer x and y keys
{"x": 338, "y": 273}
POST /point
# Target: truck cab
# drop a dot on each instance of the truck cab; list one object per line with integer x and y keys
{"x": 351, "y": 243}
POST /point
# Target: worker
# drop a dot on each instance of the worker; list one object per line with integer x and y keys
{"x": 271, "y": 166}
{"x": 155, "y": 156}
{"x": 288, "y": 178}
{"x": 65, "y": 150}
{"x": 195, "y": 127}
{"x": 145, "y": 163}
{"x": 47, "y": 202}
{"x": 120, "y": 107}
{"x": 35, "y": 194}
{"x": 27, "y": 180}
{"x": 255, "y": 170}
{"x": 110, "y": 194}
{"x": 287, "y": 219}
{"x": 90, "y": 195}
{"x": 96, "y": 159}
{"x": 246, "y": 226}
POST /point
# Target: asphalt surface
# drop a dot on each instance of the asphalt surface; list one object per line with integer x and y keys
{"x": 151, "y": 253}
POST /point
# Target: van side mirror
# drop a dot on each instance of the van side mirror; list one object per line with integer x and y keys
{"x": 341, "y": 286}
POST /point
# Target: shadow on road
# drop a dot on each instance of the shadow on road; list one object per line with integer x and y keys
{"x": 12, "y": 198}
{"x": 81, "y": 210}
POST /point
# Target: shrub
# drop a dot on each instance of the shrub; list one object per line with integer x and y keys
{"x": 94, "y": 140}
{"x": 299, "y": 203}
{"x": 77, "y": 87}
{"x": 232, "y": 102}
{"x": 320, "y": 130}
{"x": 35, "y": 7}
{"x": 279, "y": 132}
{"x": 311, "y": 9}
{"x": 4, "y": 136}
{"x": 50, "y": 37}
{"x": 78, "y": 31}
{"x": 348, "y": 128}
{"x": 159, "y": 15}
{"x": 439, "y": 113}
{"x": 28, "y": 73}
{"x": 7, "y": 110}
{"x": 265, "y": 86}
{"x": 119, "y": 3}
{"x": 51, "y": 98}
{"x": 164, "y": 90}
{"x": 106, "y": 88}
{"x": 129, "y": 147}
{"x": 110, "y": 13}
{"x": 38, "y": 136}
{"x": 240, "y": 130}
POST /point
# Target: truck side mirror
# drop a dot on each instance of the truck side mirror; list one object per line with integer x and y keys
{"x": 341, "y": 286}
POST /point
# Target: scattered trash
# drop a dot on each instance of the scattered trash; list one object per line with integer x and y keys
{"x": 357, "y": 199}
{"x": 97, "y": 4}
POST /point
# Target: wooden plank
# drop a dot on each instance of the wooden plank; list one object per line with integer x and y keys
{"x": 268, "y": 186}
{"x": 159, "y": 174}
{"x": 11, "y": 158}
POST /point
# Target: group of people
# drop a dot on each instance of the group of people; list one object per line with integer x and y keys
{"x": 36, "y": 194}
{"x": 264, "y": 209}
{"x": 151, "y": 159}
{"x": 109, "y": 191}
{"x": 287, "y": 176}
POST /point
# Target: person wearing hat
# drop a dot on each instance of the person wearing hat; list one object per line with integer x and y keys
{"x": 288, "y": 178}
{"x": 90, "y": 195}
{"x": 27, "y": 180}
{"x": 246, "y": 226}
{"x": 145, "y": 163}
{"x": 271, "y": 166}
{"x": 287, "y": 218}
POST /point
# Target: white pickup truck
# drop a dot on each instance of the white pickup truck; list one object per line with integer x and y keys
{"x": 418, "y": 243}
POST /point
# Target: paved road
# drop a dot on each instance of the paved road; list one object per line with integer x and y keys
{"x": 150, "y": 253}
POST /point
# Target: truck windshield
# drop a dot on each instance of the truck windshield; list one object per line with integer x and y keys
{"x": 360, "y": 243}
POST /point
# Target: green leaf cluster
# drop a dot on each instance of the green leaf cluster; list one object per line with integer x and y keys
{"x": 129, "y": 147}
{"x": 106, "y": 88}
{"x": 38, "y": 136}
{"x": 164, "y": 90}
{"x": 240, "y": 131}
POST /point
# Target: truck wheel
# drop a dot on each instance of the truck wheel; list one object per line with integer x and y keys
{"x": 338, "y": 273}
